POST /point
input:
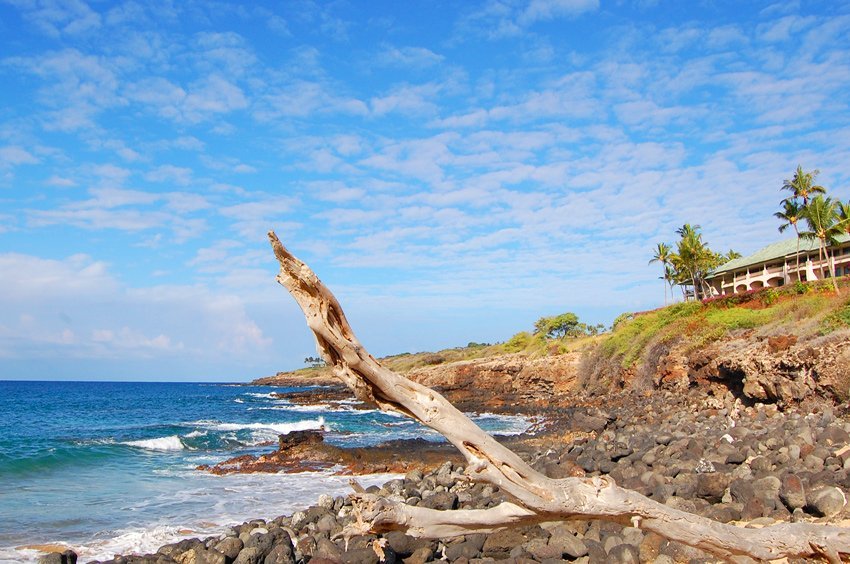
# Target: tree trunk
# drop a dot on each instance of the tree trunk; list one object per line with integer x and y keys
{"x": 797, "y": 256}
{"x": 831, "y": 264}
{"x": 537, "y": 497}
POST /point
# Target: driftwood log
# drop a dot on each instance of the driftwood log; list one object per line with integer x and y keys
{"x": 538, "y": 498}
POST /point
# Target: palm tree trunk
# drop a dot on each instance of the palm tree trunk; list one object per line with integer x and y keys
{"x": 832, "y": 271}
{"x": 797, "y": 256}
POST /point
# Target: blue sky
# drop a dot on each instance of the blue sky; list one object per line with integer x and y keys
{"x": 451, "y": 170}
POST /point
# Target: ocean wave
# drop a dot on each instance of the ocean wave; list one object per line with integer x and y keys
{"x": 279, "y": 428}
{"x": 171, "y": 443}
{"x": 504, "y": 424}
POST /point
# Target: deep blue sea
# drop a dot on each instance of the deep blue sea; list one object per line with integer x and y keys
{"x": 109, "y": 467}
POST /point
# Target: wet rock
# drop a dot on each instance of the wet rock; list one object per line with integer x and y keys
{"x": 265, "y": 542}
{"x": 66, "y": 557}
{"x": 249, "y": 555}
{"x": 328, "y": 524}
{"x": 174, "y": 549}
{"x": 229, "y": 546}
{"x": 281, "y": 553}
{"x": 327, "y": 550}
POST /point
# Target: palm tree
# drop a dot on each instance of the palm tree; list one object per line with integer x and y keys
{"x": 790, "y": 215}
{"x": 802, "y": 185}
{"x": 693, "y": 259}
{"x": 822, "y": 219}
{"x": 663, "y": 253}
{"x": 731, "y": 255}
{"x": 844, "y": 216}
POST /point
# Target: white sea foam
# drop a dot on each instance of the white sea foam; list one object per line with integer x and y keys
{"x": 278, "y": 428}
{"x": 505, "y": 424}
{"x": 194, "y": 434}
{"x": 161, "y": 444}
{"x": 238, "y": 400}
{"x": 270, "y": 395}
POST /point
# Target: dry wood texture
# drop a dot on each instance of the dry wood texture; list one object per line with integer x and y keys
{"x": 537, "y": 498}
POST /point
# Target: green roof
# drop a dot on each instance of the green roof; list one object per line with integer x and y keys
{"x": 780, "y": 249}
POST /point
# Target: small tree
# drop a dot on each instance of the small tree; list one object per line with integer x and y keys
{"x": 314, "y": 361}
{"x": 557, "y": 326}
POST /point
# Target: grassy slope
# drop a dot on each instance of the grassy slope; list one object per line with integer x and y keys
{"x": 803, "y": 310}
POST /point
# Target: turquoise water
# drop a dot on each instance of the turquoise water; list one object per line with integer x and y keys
{"x": 110, "y": 467}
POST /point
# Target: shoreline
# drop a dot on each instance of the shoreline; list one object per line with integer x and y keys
{"x": 709, "y": 455}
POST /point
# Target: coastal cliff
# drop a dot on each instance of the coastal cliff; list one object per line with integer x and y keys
{"x": 777, "y": 347}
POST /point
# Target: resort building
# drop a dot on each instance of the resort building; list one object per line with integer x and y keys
{"x": 776, "y": 265}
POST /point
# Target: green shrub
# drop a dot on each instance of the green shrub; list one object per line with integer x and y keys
{"x": 801, "y": 287}
{"x": 769, "y": 296}
{"x": 519, "y": 342}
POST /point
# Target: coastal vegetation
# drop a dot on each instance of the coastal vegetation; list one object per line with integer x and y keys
{"x": 688, "y": 263}
{"x": 805, "y": 310}
{"x": 824, "y": 218}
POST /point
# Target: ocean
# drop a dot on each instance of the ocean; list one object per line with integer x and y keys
{"x": 109, "y": 467}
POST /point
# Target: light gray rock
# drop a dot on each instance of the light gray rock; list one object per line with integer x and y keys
{"x": 827, "y": 501}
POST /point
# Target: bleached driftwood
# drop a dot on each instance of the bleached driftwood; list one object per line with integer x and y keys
{"x": 537, "y": 497}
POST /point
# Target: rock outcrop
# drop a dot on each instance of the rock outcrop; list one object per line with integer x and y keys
{"x": 775, "y": 369}
{"x": 502, "y": 383}
{"x": 754, "y": 367}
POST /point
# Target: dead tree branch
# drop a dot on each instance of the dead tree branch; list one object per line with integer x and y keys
{"x": 538, "y": 497}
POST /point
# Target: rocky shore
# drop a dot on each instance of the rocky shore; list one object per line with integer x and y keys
{"x": 750, "y": 465}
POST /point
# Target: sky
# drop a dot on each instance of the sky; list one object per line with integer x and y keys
{"x": 451, "y": 170}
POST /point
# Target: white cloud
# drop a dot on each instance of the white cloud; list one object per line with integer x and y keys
{"x": 418, "y": 57}
{"x": 60, "y": 182}
{"x": 406, "y": 99}
{"x": 498, "y": 19}
{"x": 11, "y": 156}
{"x": 203, "y": 100}
{"x": 181, "y": 176}
{"x": 783, "y": 28}
{"x": 303, "y": 98}
{"x": 66, "y": 308}
{"x": 60, "y": 17}
{"x": 543, "y": 10}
